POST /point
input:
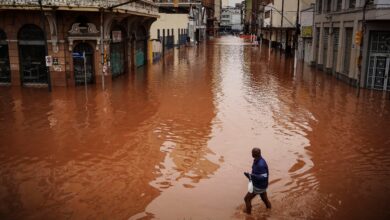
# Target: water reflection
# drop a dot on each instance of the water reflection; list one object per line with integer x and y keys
{"x": 172, "y": 140}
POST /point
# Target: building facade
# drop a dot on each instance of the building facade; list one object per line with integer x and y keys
{"x": 110, "y": 38}
{"x": 231, "y": 19}
{"x": 351, "y": 40}
{"x": 279, "y": 23}
{"x": 212, "y": 14}
{"x": 305, "y": 40}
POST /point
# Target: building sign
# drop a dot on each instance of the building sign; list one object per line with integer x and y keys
{"x": 55, "y": 61}
{"x": 49, "y": 60}
{"x": 307, "y": 31}
{"x": 116, "y": 36}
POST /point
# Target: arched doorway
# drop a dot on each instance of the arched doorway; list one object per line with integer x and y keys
{"x": 32, "y": 55}
{"x": 5, "y": 72}
{"x": 117, "y": 51}
{"x": 82, "y": 74}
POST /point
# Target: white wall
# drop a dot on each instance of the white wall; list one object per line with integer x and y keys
{"x": 236, "y": 22}
{"x": 169, "y": 21}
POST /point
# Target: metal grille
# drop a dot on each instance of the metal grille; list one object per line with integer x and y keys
{"x": 80, "y": 74}
{"x": 379, "y": 61}
{"x": 32, "y": 54}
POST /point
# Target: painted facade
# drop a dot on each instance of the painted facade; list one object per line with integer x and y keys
{"x": 112, "y": 41}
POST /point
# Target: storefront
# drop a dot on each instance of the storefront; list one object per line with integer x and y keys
{"x": 117, "y": 51}
{"x": 83, "y": 65}
{"x": 32, "y": 55}
{"x": 5, "y": 73}
{"x": 378, "y": 61}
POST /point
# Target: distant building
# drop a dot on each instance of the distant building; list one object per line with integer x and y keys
{"x": 305, "y": 40}
{"x": 337, "y": 35}
{"x": 212, "y": 14}
{"x": 279, "y": 23}
{"x": 231, "y": 19}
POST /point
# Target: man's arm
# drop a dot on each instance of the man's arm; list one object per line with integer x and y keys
{"x": 259, "y": 177}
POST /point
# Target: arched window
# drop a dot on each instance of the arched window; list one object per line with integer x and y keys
{"x": 5, "y": 72}
{"x": 3, "y": 36}
{"x": 32, "y": 54}
{"x": 31, "y": 32}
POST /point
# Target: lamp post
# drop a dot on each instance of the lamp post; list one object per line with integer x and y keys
{"x": 45, "y": 39}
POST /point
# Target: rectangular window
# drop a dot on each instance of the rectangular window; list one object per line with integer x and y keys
{"x": 339, "y": 5}
{"x": 158, "y": 33}
{"x": 319, "y": 6}
{"x": 352, "y": 3}
{"x": 328, "y": 5}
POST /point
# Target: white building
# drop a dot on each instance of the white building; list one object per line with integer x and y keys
{"x": 305, "y": 40}
{"x": 279, "y": 22}
{"x": 231, "y": 19}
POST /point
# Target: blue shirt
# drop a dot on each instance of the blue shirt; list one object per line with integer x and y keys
{"x": 260, "y": 174}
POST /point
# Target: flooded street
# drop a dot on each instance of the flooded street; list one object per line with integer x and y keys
{"x": 172, "y": 141}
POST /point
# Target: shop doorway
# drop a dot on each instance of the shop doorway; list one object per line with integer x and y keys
{"x": 5, "y": 72}
{"x": 32, "y": 55}
{"x": 83, "y": 74}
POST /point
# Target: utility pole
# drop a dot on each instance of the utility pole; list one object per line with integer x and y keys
{"x": 366, "y": 2}
{"x": 297, "y": 30}
{"x": 102, "y": 44}
{"x": 45, "y": 39}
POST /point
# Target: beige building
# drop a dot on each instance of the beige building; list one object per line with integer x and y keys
{"x": 279, "y": 20}
{"x": 168, "y": 31}
{"x": 338, "y": 36}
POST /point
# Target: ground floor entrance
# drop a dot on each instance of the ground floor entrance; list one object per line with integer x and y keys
{"x": 379, "y": 61}
{"x": 83, "y": 64}
{"x": 5, "y": 73}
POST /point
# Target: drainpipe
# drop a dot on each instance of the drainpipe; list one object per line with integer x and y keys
{"x": 366, "y": 2}
{"x": 102, "y": 44}
{"x": 45, "y": 39}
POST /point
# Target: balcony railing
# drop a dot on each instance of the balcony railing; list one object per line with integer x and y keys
{"x": 181, "y": 2}
{"x": 140, "y": 6}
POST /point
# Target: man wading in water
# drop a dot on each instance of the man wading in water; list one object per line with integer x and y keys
{"x": 259, "y": 178}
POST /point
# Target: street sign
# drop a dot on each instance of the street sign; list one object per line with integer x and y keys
{"x": 55, "y": 61}
{"x": 49, "y": 60}
{"x": 77, "y": 55}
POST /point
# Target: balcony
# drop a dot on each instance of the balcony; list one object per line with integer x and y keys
{"x": 146, "y": 7}
{"x": 181, "y": 3}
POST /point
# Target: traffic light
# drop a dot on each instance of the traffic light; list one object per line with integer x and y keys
{"x": 358, "y": 38}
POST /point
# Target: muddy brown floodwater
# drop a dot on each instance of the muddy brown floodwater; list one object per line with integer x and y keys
{"x": 172, "y": 141}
